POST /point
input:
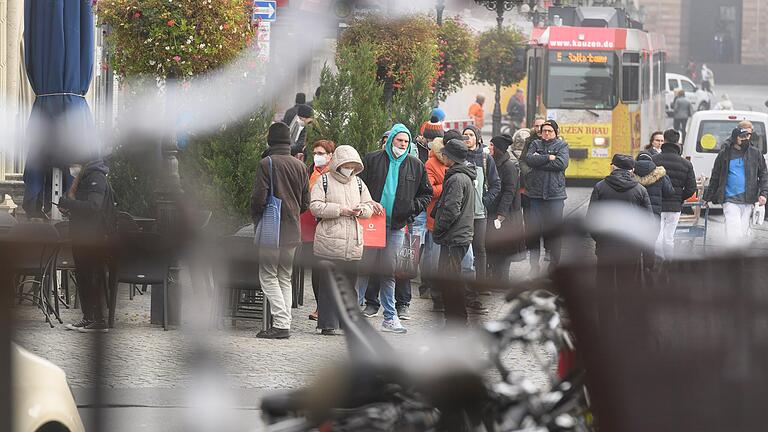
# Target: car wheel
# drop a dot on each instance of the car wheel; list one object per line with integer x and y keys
{"x": 53, "y": 427}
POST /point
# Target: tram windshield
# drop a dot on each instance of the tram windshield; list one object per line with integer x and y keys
{"x": 581, "y": 80}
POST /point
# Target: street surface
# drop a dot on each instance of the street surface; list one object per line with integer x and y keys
{"x": 153, "y": 375}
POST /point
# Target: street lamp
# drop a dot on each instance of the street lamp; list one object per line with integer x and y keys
{"x": 440, "y": 7}
{"x": 501, "y": 6}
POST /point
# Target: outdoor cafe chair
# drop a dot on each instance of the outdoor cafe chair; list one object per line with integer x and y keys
{"x": 139, "y": 258}
{"x": 37, "y": 245}
{"x": 237, "y": 279}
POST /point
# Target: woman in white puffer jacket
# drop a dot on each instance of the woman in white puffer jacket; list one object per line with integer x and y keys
{"x": 338, "y": 199}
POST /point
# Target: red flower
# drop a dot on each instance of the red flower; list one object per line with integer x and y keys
{"x": 137, "y": 14}
{"x": 171, "y": 23}
{"x": 177, "y": 58}
{"x": 226, "y": 26}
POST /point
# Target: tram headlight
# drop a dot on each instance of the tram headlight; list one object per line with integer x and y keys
{"x": 600, "y": 141}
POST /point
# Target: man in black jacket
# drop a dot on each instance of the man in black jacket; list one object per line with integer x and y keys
{"x": 680, "y": 172}
{"x": 398, "y": 183}
{"x": 739, "y": 180}
{"x": 290, "y": 113}
{"x": 619, "y": 186}
{"x": 454, "y": 226}
{"x": 547, "y": 158}
{"x": 291, "y": 185}
{"x": 91, "y": 209}
{"x": 505, "y": 212}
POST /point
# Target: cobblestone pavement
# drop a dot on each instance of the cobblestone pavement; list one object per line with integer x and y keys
{"x": 139, "y": 355}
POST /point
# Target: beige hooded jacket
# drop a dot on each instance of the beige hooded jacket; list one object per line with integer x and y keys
{"x": 340, "y": 237}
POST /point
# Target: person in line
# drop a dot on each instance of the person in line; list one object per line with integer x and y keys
{"x": 476, "y": 111}
{"x": 90, "y": 205}
{"x": 432, "y": 131}
{"x": 654, "y": 145}
{"x": 619, "y": 186}
{"x": 505, "y": 213}
{"x": 454, "y": 226}
{"x": 548, "y": 158}
{"x": 398, "y": 183}
{"x": 304, "y": 117}
{"x": 739, "y": 180}
{"x": 516, "y": 110}
{"x": 322, "y": 156}
{"x": 436, "y": 167}
{"x": 488, "y": 187}
{"x": 290, "y": 113}
{"x": 291, "y": 186}
{"x": 527, "y": 136}
{"x": 682, "y": 110}
{"x": 680, "y": 172}
{"x": 659, "y": 186}
{"x": 339, "y": 198}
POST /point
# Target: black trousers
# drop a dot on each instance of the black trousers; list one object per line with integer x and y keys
{"x": 478, "y": 249}
{"x": 680, "y": 124}
{"x": 454, "y": 298}
{"x": 90, "y": 269}
{"x": 328, "y": 317}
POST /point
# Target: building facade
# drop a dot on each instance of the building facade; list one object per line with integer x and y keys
{"x": 711, "y": 31}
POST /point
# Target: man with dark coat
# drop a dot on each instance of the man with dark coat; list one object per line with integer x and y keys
{"x": 680, "y": 172}
{"x": 619, "y": 186}
{"x": 656, "y": 182}
{"x": 505, "y": 213}
{"x": 291, "y": 185}
{"x": 91, "y": 208}
{"x": 547, "y": 158}
{"x": 454, "y": 226}
{"x": 298, "y": 130}
{"x": 399, "y": 185}
{"x": 739, "y": 180}
{"x": 290, "y": 113}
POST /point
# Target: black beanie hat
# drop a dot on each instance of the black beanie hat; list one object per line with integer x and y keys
{"x": 301, "y": 98}
{"x": 304, "y": 111}
{"x": 453, "y": 134}
{"x": 623, "y": 161}
{"x": 279, "y": 134}
{"x": 502, "y": 142}
{"x": 554, "y": 125}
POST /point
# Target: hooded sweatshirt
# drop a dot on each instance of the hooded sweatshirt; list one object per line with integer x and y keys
{"x": 340, "y": 237}
{"x": 390, "y": 186}
{"x": 92, "y": 212}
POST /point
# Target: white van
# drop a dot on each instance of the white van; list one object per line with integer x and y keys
{"x": 700, "y": 100}
{"x": 708, "y": 130}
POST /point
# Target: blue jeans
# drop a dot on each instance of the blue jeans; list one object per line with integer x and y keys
{"x": 383, "y": 261}
{"x": 419, "y": 227}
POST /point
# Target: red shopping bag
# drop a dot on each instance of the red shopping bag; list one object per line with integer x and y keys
{"x": 308, "y": 225}
{"x": 374, "y": 231}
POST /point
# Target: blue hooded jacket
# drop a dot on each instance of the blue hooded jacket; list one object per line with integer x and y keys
{"x": 390, "y": 186}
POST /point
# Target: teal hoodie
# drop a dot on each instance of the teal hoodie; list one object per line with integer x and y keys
{"x": 393, "y": 174}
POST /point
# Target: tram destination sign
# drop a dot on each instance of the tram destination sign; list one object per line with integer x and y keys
{"x": 580, "y": 57}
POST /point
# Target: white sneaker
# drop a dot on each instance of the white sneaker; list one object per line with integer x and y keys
{"x": 393, "y": 326}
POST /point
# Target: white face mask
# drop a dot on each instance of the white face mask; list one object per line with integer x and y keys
{"x": 346, "y": 172}
{"x": 397, "y": 151}
{"x": 75, "y": 170}
{"x": 321, "y": 160}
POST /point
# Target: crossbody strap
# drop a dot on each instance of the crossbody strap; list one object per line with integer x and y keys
{"x": 271, "y": 183}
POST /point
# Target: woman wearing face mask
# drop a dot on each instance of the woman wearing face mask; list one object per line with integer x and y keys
{"x": 488, "y": 187}
{"x": 339, "y": 198}
{"x": 322, "y": 154}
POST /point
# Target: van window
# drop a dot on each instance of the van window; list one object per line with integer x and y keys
{"x": 717, "y": 131}
{"x": 688, "y": 87}
{"x": 673, "y": 84}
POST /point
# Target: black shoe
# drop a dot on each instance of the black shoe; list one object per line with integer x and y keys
{"x": 476, "y": 308}
{"x": 328, "y": 332}
{"x": 402, "y": 313}
{"x": 424, "y": 292}
{"x": 78, "y": 325}
{"x": 274, "y": 333}
{"x": 94, "y": 327}
{"x": 370, "y": 311}
{"x": 438, "y": 307}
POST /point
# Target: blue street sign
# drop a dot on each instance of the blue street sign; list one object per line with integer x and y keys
{"x": 265, "y": 10}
